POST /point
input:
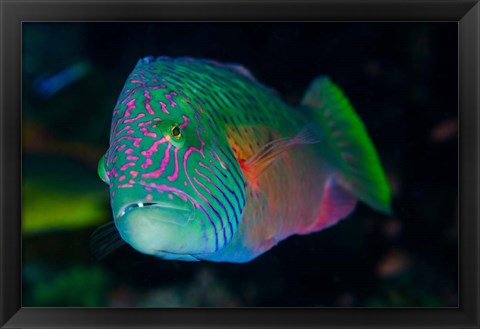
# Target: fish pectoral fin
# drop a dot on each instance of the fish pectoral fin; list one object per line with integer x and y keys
{"x": 272, "y": 151}
{"x": 105, "y": 240}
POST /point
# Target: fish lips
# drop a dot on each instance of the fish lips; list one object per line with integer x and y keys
{"x": 156, "y": 225}
{"x": 178, "y": 210}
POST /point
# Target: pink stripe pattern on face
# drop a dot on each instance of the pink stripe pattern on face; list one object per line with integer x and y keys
{"x": 148, "y": 133}
{"x": 148, "y": 97}
{"x": 158, "y": 172}
{"x": 164, "y": 107}
{"x": 174, "y": 176}
{"x": 140, "y": 115}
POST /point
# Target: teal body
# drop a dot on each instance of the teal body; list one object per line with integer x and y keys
{"x": 205, "y": 163}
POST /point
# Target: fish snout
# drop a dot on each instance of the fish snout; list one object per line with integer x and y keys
{"x": 153, "y": 225}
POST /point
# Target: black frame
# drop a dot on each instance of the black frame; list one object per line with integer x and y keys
{"x": 13, "y": 12}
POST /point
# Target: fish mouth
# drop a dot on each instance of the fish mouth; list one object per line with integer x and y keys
{"x": 174, "y": 208}
{"x": 155, "y": 224}
{"x": 148, "y": 205}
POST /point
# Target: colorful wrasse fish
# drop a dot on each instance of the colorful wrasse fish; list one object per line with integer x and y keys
{"x": 205, "y": 163}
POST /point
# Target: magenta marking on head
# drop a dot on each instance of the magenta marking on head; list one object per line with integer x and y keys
{"x": 136, "y": 142}
{"x": 122, "y": 178}
{"x": 130, "y": 106}
{"x": 121, "y": 147}
{"x": 164, "y": 107}
{"x": 140, "y": 115}
{"x": 149, "y": 197}
{"x": 131, "y": 181}
{"x": 170, "y": 196}
{"x": 126, "y": 165}
{"x": 154, "y": 147}
{"x": 146, "y": 93}
{"x": 145, "y": 123}
{"x": 114, "y": 172}
{"x": 123, "y": 129}
{"x": 132, "y": 158}
{"x": 149, "y": 108}
{"x": 147, "y": 163}
{"x": 133, "y": 173}
{"x": 185, "y": 122}
{"x": 148, "y": 133}
{"x": 129, "y": 151}
{"x": 165, "y": 188}
{"x": 125, "y": 185}
{"x": 172, "y": 102}
{"x": 138, "y": 82}
{"x": 174, "y": 176}
{"x": 158, "y": 172}
{"x": 131, "y": 131}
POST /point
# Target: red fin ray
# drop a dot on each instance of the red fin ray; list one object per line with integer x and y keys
{"x": 272, "y": 151}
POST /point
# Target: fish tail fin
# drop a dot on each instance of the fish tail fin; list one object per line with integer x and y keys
{"x": 347, "y": 146}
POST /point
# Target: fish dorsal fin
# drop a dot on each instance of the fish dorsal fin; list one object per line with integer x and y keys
{"x": 347, "y": 146}
{"x": 336, "y": 203}
{"x": 272, "y": 151}
{"x": 240, "y": 69}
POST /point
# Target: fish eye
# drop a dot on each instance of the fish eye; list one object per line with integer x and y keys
{"x": 172, "y": 132}
{"x": 175, "y": 131}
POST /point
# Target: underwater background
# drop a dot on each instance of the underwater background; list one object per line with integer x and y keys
{"x": 402, "y": 81}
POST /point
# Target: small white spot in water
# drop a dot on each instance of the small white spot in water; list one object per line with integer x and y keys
{"x": 140, "y": 205}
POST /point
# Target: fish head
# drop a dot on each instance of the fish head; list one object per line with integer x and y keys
{"x": 175, "y": 188}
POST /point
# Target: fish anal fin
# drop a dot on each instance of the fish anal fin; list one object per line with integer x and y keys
{"x": 336, "y": 204}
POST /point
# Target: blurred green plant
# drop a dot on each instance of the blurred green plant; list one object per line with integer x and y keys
{"x": 79, "y": 286}
{"x": 61, "y": 193}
